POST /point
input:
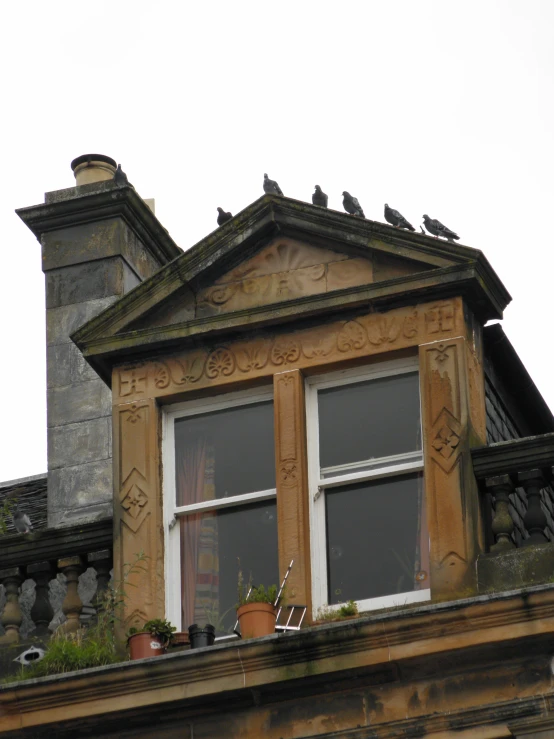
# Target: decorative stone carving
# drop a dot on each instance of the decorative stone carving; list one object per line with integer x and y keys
{"x": 292, "y": 483}
{"x": 132, "y": 381}
{"x": 266, "y": 353}
{"x": 220, "y": 362}
{"x": 440, "y": 318}
{"x": 137, "y": 514}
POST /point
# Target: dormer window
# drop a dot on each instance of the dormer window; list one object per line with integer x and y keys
{"x": 369, "y": 539}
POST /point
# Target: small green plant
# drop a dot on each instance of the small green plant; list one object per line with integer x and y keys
{"x": 90, "y": 646}
{"x": 328, "y": 613}
{"x": 248, "y": 593}
{"x": 5, "y": 513}
{"x": 157, "y": 627}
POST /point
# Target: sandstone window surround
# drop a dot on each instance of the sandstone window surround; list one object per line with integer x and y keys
{"x": 203, "y": 540}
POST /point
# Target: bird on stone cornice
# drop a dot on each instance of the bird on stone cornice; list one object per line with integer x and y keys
{"x": 319, "y": 197}
{"x": 351, "y": 205}
{"x": 438, "y": 229}
{"x": 21, "y": 521}
{"x": 271, "y": 187}
{"x": 120, "y": 178}
{"x": 395, "y": 218}
{"x": 223, "y": 216}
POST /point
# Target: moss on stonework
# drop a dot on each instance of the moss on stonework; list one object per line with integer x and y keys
{"x": 516, "y": 568}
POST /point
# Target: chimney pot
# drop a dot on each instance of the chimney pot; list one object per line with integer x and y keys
{"x": 93, "y": 168}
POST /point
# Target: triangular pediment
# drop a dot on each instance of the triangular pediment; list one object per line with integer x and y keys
{"x": 277, "y": 260}
{"x": 282, "y": 270}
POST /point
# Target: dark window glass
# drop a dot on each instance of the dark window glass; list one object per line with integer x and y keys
{"x": 232, "y": 450}
{"x": 375, "y": 538}
{"x": 369, "y": 419}
{"x": 211, "y": 546}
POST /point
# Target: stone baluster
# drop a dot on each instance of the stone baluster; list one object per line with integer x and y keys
{"x": 500, "y": 488}
{"x": 12, "y": 617}
{"x": 41, "y": 612}
{"x": 72, "y": 604}
{"x": 102, "y": 563}
{"x": 535, "y": 519}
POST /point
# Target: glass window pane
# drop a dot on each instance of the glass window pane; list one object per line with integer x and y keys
{"x": 224, "y": 453}
{"x": 369, "y": 419}
{"x": 212, "y": 544}
{"x": 377, "y": 543}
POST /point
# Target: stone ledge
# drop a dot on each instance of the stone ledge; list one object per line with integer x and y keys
{"x": 517, "y": 568}
{"x": 372, "y": 650}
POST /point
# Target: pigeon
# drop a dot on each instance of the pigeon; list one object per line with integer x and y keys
{"x": 423, "y": 231}
{"x": 271, "y": 187}
{"x": 21, "y": 521}
{"x": 351, "y": 205}
{"x": 223, "y": 217}
{"x": 395, "y": 218}
{"x": 319, "y": 197}
{"x": 120, "y": 178}
{"x": 438, "y": 229}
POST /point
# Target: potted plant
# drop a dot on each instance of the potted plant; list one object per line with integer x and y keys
{"x": 152, "y": 640}
{"x": 256, "y": 609}
{"x": 201, "y": 637}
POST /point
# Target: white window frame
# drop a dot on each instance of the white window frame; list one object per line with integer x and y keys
{"x": 372, "y": 469}
{"x": 171, "y": 512}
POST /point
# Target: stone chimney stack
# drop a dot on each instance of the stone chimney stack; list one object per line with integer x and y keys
{"x": 99, "y": 240}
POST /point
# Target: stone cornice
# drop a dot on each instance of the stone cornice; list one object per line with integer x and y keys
{"x": 103, "y": 347}
{"x": 100, "y": 201}
{"x": 18, "y": 550}
{"x": 374, "y": 645}
{"x": 510, "y": 457}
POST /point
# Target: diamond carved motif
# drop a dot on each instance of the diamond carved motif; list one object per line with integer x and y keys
{"x": 133, "y": 504}
{"x": 446, "y": 438}
{"x": 446, "y": 441}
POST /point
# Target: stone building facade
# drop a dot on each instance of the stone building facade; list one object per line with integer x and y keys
{"x": 350, "y": 412}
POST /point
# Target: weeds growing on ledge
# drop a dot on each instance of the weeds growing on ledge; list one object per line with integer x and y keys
{"x": 328, "y": 613}
{"x": 89, "y": 646}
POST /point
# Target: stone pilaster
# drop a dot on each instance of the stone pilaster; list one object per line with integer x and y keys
{"x": 292, "y": 485}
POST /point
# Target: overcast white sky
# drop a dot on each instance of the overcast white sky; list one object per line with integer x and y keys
{"x": 439, "y": 107}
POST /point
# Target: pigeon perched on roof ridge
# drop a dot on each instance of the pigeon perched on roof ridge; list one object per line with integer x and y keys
{"x": 351, "y": 205}
{"x": 223, "y": 216}
{"x": 21, "y": 521}
{"x": 120, "y": 178}
{"x": 271, "y": 187}
{"x": 436, "y": 228}
{"x": 319, "y": 197}
{"x": 395, "y": 218}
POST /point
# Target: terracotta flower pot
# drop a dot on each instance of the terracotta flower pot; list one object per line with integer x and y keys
{"x": 143, "y": 645}
{"x": 256, "y": 619}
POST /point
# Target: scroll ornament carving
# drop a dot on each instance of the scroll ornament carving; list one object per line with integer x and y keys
{"x": 285, "y": 351}
{"x": 220, "y": 362}
{"x": 178, "y": 371}
{"x": 351, "y": 336}
{"x": 363, "y": 334}
{"x": 253, "y": 356}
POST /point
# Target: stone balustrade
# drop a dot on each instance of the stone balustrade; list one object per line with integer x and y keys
{"x": 515, "y": 479}
{"x": 82, "y": 555}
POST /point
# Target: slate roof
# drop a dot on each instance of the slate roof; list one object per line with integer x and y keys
{"x": 31, "y": 494}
